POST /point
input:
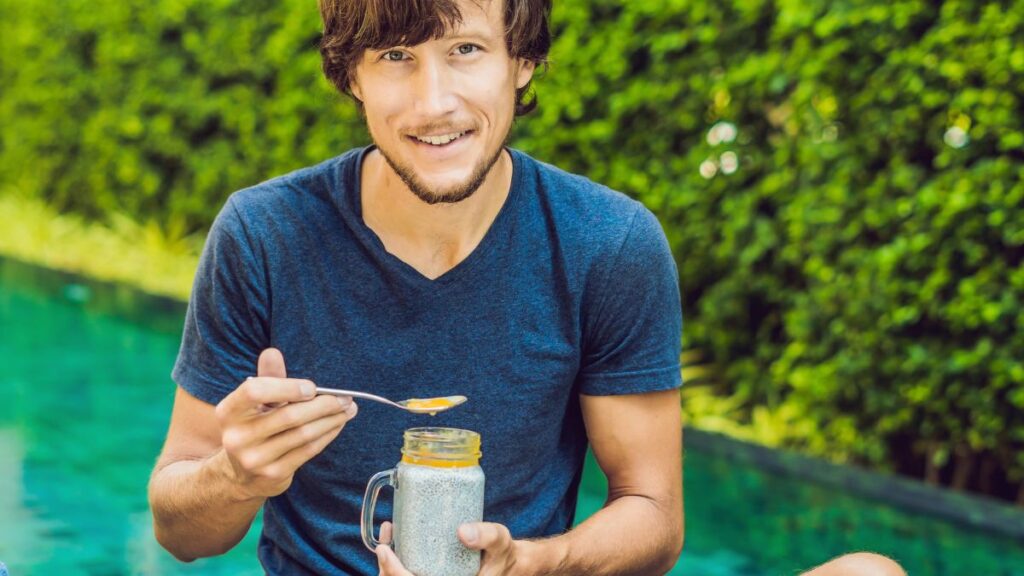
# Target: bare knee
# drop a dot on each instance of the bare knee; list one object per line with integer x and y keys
{"x": 859, "y": 564}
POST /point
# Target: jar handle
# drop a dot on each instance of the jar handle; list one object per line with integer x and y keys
{"x": 378, "y": 481}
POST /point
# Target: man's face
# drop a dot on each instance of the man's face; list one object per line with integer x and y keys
{"x": 440, "y": 111}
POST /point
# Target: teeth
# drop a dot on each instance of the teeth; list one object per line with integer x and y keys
{"x": 440, "y": 140}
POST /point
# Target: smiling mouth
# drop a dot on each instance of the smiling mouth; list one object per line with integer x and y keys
{"x": 441, "y": 139}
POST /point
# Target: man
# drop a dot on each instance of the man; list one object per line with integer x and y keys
{"x": 435, "y": 262}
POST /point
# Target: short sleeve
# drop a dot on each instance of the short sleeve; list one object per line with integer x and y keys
{"x": 226, "y": 325}
{"x": 632, "y": 316}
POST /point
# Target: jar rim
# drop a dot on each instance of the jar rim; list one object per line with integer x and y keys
{"x": 439, "y": 443}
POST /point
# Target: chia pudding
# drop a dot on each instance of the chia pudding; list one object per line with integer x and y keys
{"x": 430, "y": 505}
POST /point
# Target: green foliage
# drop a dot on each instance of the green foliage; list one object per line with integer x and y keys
{"x": 840, "y": 181}
{"x": 861, "y": 266}
{"x": 162, "y": 108}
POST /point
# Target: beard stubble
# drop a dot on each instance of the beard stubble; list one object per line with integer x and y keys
{"x": 457, "y": 193}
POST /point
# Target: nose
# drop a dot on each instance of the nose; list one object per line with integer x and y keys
{"x": 435, "y": 89}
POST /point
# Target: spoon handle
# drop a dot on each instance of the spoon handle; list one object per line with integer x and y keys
{"x": 355, "y": 394}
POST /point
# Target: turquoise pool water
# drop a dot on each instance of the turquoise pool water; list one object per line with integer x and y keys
{"x": 85, "y": 398}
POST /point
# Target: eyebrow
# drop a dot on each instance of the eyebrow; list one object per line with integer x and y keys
{"x": 477, "y": 32}
{"x": 472, "y": 36}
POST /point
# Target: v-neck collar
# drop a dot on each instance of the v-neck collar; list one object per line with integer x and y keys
{"x": 410, "y": 275}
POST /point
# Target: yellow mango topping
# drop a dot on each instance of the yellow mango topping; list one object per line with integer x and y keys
{"x": 428, "y": 403}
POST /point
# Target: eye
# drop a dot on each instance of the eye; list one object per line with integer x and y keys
{"x": 468, "y": 49}
{"x": 393, "y": 56}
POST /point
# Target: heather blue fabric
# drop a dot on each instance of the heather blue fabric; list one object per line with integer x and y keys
{"x": 572, "y": 291}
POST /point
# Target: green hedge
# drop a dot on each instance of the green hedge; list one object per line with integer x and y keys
{"x": 840, "y": 181}
{"x": 160, "y": 108}
{"x": 862, "y": 265}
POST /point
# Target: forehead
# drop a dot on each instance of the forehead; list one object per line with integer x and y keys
{"x": 409, "y": 23}
{"x": 478, "y": 14}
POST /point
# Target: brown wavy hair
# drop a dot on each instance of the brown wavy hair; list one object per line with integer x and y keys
{"x": 354, "y": 26}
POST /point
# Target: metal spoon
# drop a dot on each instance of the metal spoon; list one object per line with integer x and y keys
{"x": 415, "y": 405}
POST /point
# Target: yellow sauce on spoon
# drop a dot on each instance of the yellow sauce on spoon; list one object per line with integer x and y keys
{"x": 429, "y": 405}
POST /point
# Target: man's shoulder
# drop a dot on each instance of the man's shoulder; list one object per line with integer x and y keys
{"x": 577, "y": 190}
{"x": 596, "y": 213}
{"x": 294, "y": 190}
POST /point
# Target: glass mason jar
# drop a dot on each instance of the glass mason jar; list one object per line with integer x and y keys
{"x": 438, "y": 487}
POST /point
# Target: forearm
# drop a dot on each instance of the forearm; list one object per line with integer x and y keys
{"x": 631, "y": 535}
{"x": 197, "y": 510}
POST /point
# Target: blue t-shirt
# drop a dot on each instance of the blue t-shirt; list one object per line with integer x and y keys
{"x": 573, "y": 290}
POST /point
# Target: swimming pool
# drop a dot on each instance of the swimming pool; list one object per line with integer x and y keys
{"x": 85, "y": 396}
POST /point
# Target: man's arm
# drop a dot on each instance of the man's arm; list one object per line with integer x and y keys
{"x": 637, "y": 440}
{"x": 219, "y": 464}
{"x": 197, "y": 510}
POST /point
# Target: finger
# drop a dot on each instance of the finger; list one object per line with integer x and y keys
{"x": 295, "y": 447}
{"x": 250, "y": 395}
{"x": 385, "y": 533}
{"x": 488, "y": 536}
{"x": 299, "y": 414}
{"x": 388, "y": 562}
{"x": 271, "y": 363}
{"x": 285, "y": 466}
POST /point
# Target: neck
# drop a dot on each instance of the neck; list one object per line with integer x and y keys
{"x": 430, "y": 237}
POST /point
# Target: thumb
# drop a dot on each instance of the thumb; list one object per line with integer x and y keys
{"x": 271, "y": 363}
{"x": 486, "y": 536}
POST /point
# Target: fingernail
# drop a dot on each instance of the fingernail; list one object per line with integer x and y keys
{"x": 308, "y": 389}
{"x": 469, "y": 534}
{"x": 345, "y": 401}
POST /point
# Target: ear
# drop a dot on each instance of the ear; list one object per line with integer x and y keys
{"x": 353, "y": 86}
{"x": 524, "y": 72}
